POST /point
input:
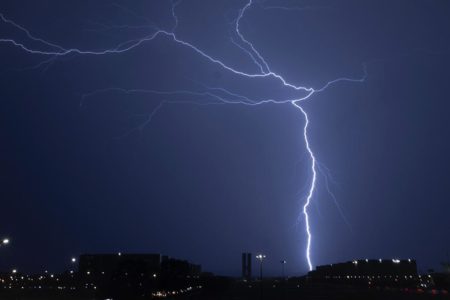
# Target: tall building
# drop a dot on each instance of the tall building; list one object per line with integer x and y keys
{"x": 246, "y": 266}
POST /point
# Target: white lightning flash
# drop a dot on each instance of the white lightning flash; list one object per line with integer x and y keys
{"x": 311, "y": 188}
{"x": 209, "y": 95}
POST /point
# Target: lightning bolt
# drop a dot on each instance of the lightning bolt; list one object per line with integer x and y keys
{"x": 211, "y": 95}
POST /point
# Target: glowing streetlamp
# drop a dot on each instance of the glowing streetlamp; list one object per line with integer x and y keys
{"x": 4, "y": 242}
{"x": 261, "y": 257}
{"x": 283, "y": 262}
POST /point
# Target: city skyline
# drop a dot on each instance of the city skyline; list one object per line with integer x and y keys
{"x": 310, "y": 132}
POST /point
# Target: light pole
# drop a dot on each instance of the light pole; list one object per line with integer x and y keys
{"x": 283, "y": 262}
{"x": 4, "y": 242}
{"x": 73, "y": 262}
{"x": 284, "y": 283}
{"x": 261, "y": 257}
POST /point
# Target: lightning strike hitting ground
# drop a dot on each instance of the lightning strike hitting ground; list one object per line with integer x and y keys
{"x": 210, "y": 95}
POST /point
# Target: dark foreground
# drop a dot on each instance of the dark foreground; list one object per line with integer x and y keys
{"x": 242, "y": 291}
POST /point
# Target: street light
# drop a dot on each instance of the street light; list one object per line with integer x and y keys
{"x": 260, "y": 257}
{"x": 73, "y": 260}
{"x": 5, "y": 242}
{"x": 283, "y": 262}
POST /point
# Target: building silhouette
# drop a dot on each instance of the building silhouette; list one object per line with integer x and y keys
{"x": 387, "y": 272}
{"x": 133, "y": 276}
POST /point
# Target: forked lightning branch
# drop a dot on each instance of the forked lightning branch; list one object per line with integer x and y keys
{"x": 51, "y": 51}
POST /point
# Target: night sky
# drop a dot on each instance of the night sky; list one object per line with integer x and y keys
{"x": 207, "y": 182}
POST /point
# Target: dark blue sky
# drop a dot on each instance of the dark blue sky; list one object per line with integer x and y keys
{"x": 205, "y": 183}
